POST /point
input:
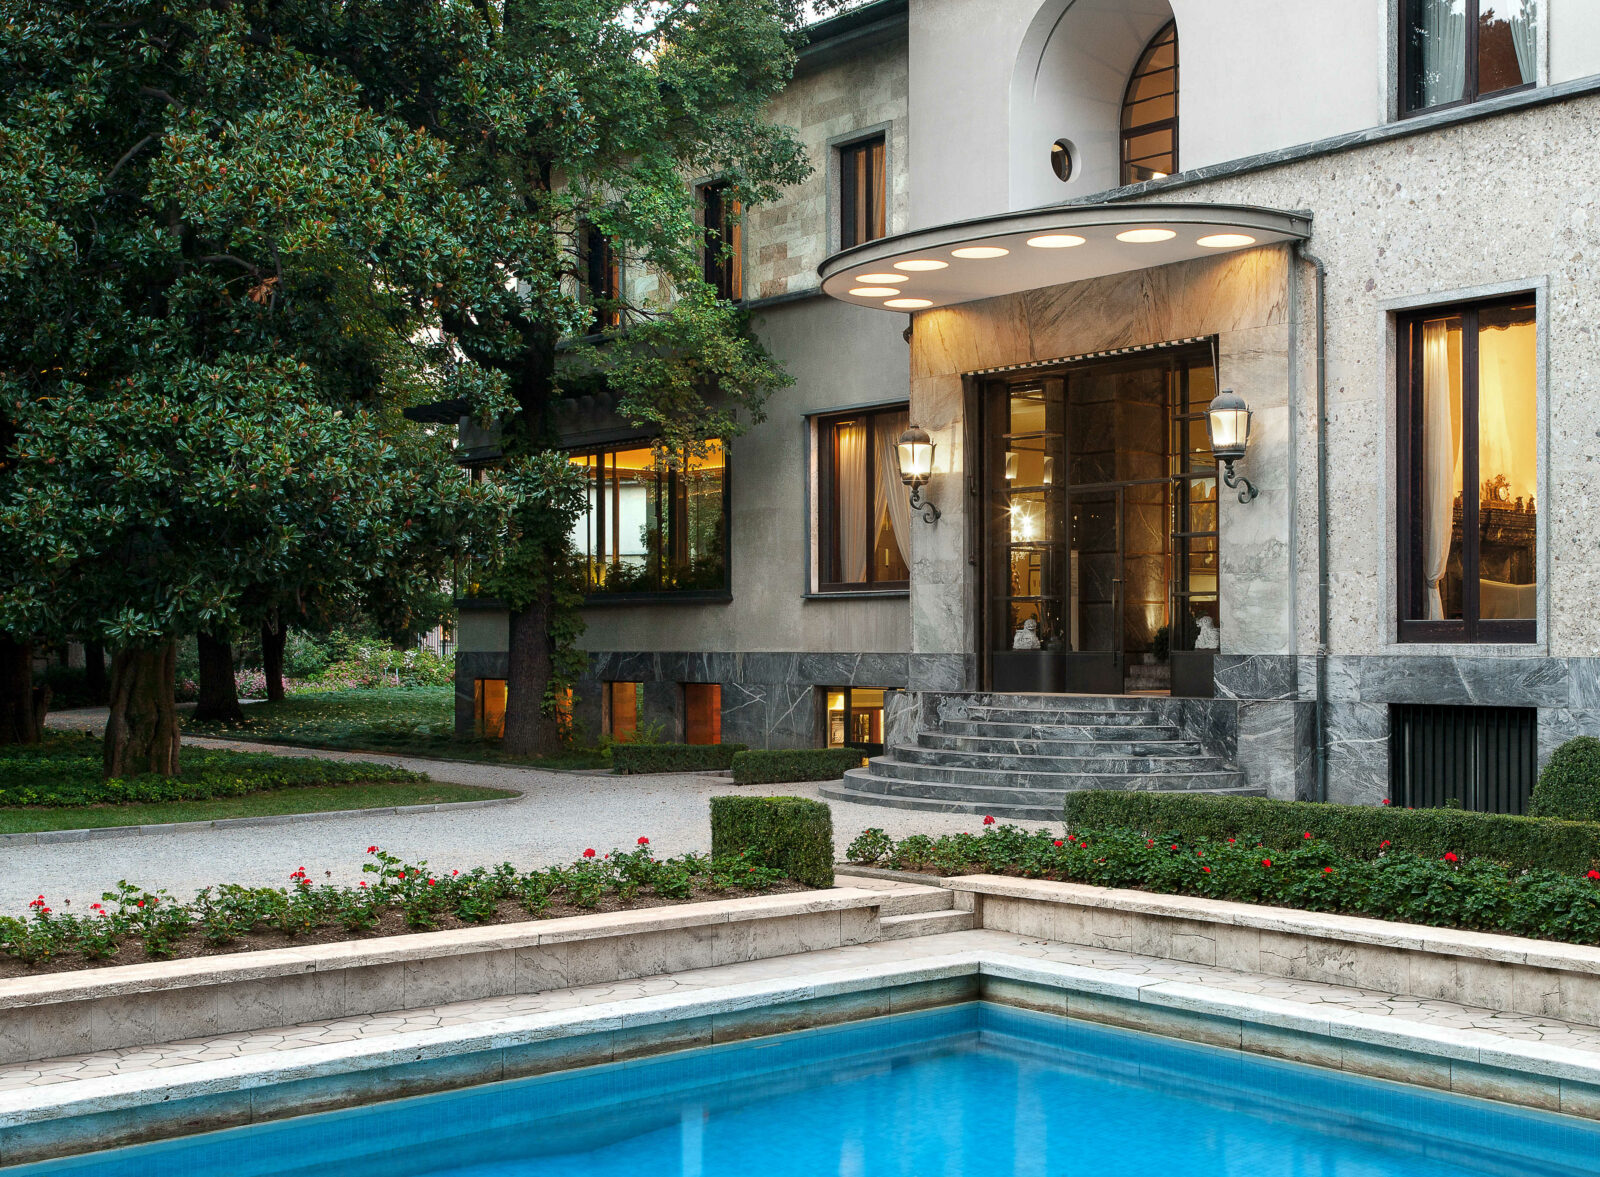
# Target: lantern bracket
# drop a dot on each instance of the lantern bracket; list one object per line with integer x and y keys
{"x": 1239, "y": 482}
{"x": 930, "y": 513}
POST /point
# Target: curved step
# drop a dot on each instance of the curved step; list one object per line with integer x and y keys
{"x": 1214, "y": 776}
{"x": 1022, "y": 746}
{"x": 864, "y": 788}
{"x": 994, "y": 729}
{"x": 1062, "y": 715}
{"x": 1006, "y": 763}
{"x": 1099, "y": 703}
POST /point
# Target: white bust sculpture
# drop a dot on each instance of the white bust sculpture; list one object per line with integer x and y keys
{"x": 1026, "y": 638}
{"x": 1209, "y": 636}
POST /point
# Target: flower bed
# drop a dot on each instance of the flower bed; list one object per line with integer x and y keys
{"x": 1450, "y": 890}
{"x": 65, "y": 771}
{"x": 131, "y": 924}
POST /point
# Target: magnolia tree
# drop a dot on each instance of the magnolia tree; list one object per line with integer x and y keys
{"x": 209, "y": 301}
{"x": 561, "y": 118}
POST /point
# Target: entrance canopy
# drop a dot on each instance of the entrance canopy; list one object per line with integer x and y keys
{"x": 1004, "y": 254}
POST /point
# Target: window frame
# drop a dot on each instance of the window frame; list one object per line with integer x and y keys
{"x": 845, "y": 154}
{"x": 867, "y": 748}
{"x": 724, "y": 272}
{"x": 1469, "y": 88}
{"x": 1126, "y": 133}
{"x": 827, "y": 501}
{"x": 1469, "y": 628}
{"x": 609, "y": 269}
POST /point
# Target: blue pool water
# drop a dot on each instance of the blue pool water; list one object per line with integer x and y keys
{"x": 964, "y": 1091}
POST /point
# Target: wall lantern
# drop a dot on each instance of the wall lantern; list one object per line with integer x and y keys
{"x": 916, "y": 467}
{"x": 1228, "y": 423}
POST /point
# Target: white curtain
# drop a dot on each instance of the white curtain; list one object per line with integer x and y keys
{"x": 891, "y": 497}
{"x": 850, "y": 479}
{"x": 1440, "y": 456}
{"x": 1524, "y": 38}
{"x": 1444, "y": 51}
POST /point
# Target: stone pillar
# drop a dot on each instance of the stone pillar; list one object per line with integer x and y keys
{"x": 942, "y": 577}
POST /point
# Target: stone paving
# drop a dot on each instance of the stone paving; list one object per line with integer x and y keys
{"x": 1436, "y": 1014}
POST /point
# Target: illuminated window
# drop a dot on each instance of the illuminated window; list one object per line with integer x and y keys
{"x": 864, "y": 515}
{"x": 1150, "y": 111}
{"x": 862, "y": 214}
{"x": 855, "y": 718}
{"x": 702, "y": 713}
{"x": 1469, "y": 473}
{"x": 602, "y": 278}
{"x": 1455, "y": 51}
{"x": 620, "y": 705}
{"x": 489, "y": 707}
{"x": 655, "y": 523}
{"x": 722, "y": 256}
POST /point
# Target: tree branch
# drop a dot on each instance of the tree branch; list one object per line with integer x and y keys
{"x": 128, "y": 155}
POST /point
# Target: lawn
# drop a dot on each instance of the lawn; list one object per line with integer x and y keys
{"x": 57, "y": 786}
{"x": 411, "y": 720}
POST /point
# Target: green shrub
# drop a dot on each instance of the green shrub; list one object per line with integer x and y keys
{"x": 1523, "y": 843}
{"x": 643, "y": 758}
{"x": 794, "y": 764}
{"x": 1569, "y": 786}
{"x": 791, "y": 834}
{"x": 303, "y": 655}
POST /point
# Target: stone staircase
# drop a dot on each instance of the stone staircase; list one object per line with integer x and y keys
{"x": 909, "y": 909}
{"x": 1018, "y": 756}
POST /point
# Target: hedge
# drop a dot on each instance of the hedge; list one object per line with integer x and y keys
{"x": 794, "y": 764}
{"x": 641, "y": 758}
{"x": 1569, "y": 786}
{"x": 1522, "y": 843}
{"x": 791, "y": 834}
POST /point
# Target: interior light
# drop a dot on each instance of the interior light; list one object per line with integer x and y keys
{"x": 873, "y": 291}
{"x": 1226, "y": 240}
{"x": 921, "y": 263}
{"x": 909, "y": 304}
{"x": 1055, "y": 241}
{"x": 1143, "y": 236}
{"x": 979, "y": 251}
{"x": 1011, "y": 466}
{"x": 879, "y": 279}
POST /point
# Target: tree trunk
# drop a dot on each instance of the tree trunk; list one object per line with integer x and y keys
{"x": 94, "y": 672}
{"x": 529, "y": 731}
{"x": 219, "y": 693}
{"x": 142, "y": 729}
{"x": 22, "y": 705}
{"x": 273, "y": 635}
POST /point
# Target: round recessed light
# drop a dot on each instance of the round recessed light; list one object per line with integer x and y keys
{"x": 909, "y": 304}
{"x": 1055, "y": 241}
{"x": 921, "y": 263}
{"x": 1146, "y": 235}
{"x": 879, "y": 279}
{"x": 979, "y": 251}
{"x": 873, "y": 291}
{"x": 1225, "y": 240}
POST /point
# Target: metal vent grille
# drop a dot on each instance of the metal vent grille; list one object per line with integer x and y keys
{"x": 1478, "y": 758}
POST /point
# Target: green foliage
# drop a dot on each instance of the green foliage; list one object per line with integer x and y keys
{"x": 304, "y": 656}
{"x": 644, "y": 758}
{"x": 1523, "y": 843}
{"x": 65, "y": 771}
{"x": 1569, "y": 785}
{"x": 782, "y": 765}
{"x": 423, "y": 897}
{"x": 870, "y": 847}
{"x": 1451, "y": 889}
{"x": 791, "y": 834}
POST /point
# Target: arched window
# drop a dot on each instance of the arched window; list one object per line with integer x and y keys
{"x": 1150, "y": 111}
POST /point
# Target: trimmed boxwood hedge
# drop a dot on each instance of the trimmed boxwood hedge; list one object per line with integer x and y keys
{"x": 642, "y": 758}
{"x": 1569, "y": 786}
{"x": 794, "y": 764}
{"x": 1523, "y": 843}
{"x": 791, "y": 834}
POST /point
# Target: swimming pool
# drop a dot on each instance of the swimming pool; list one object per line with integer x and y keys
{"x": 961, "y": 1091}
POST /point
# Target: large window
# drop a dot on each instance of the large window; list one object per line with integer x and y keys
{"x": 722, "y": 255}
{"x": 862, "y": 215}
{"x": 855, "y": 719}
{"x": 655, "y": 523}
{"x": 602, "y": 279}
{"x": 1469, "y": 473}
{"x": 702, "y": 713}
{"x": 865, "y": 516}
{"x": 1150, "y": 111}
{"x": 1454, "y": 51}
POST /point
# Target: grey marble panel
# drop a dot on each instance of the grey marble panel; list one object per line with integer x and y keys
{"x": 1584, "y": 683}
{"x": 1275, "y": 746}
{"x": 769, "y": 667}
{"x": 901, "y": 718}
{"x": 852, "y": 670}
{"x": 744, "y": 714}
{"x": 793, "y": 715}
{"x": 662, "y": 707}
{"x": 1255, "y": 676}
{"x": 1557, "y": 725}
{"x": 1358, "y": 752}
{"x": 942, "y": 672}
{"x": 1464, "y": 679}
{"x": 624, "y": 666}
{"x": 1214, "y": 722}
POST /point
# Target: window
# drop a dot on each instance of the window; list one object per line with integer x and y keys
{"x": 1468, "y": 475}
{"x": 702, "y": 713}
{"x": 1483, "y": 759}
{"x": 602, "y": 278}
{"x": 620, "y": 704}
{"x": 865, "y": 516}
{"x": 489, "y": 707}
{"x": 722, "y": 256}
{"x": 1454, "y": 51}
{"x": 861, "y": 207}
{"x": 855, "y": 719}
{"x": 1150, "y": 111}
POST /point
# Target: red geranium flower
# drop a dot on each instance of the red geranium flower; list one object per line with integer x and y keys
{"x": 1207, "y": 869}
{"x": 1450, "y": 856}
{"x": 1383, "y": 845}
{"x": 372, "y": 849}
{"x": 589, "y": 853}
{"x": 1386, "y": 801}
{"x": 1266, "y": 862}
{"x": 987, "y": 820}
{"x": 644, "y": 841}
{"x": 433, "y": 882}
{"x": 1596, "y": 874}
{"x": 1327, "y": 870}
{"x": 1307, "y": 834}
{"x": 1231, "y": 839}
{"x": 1174, "y": 845}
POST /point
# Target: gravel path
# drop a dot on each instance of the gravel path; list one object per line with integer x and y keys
{"x": 555, "y": 819}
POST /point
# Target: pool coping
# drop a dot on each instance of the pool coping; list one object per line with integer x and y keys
{"x": 41, "y": 1121}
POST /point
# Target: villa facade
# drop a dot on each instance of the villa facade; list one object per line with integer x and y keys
{"x": 1049, "y": 234}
